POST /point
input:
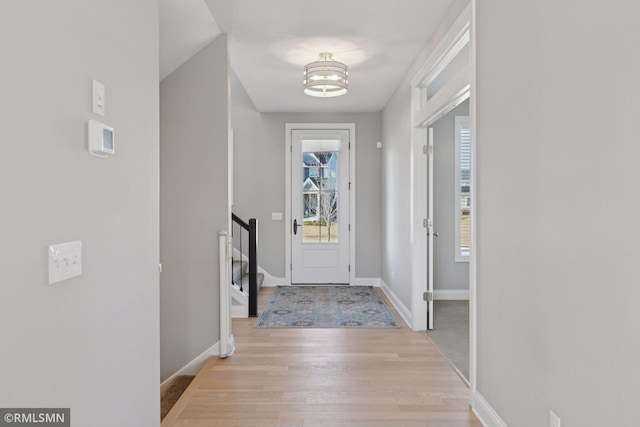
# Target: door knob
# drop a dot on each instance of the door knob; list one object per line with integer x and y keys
{"x": 295, "y": 226}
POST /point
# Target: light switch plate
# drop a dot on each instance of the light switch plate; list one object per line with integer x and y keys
{"x": 98, "y": 98}
{"x": 65, "y": 261}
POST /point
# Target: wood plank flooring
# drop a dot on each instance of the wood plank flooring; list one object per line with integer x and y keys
{"x": 325, "y": 377}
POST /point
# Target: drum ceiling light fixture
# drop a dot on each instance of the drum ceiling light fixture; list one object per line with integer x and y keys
{"x": 325, "y": 77}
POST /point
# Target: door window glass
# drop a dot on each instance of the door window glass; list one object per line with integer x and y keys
{"x": 320, "y": 197}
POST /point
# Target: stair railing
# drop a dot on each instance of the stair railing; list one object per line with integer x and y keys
{"x": 251, "y": 228}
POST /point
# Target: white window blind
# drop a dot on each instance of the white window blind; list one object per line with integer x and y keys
{"x": 463, "y": 189}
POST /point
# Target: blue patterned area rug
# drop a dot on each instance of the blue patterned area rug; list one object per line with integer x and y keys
{"x": 326, "y": 307}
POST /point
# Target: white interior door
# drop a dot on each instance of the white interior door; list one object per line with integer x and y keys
{"x": 320, "y": 206}
{"x": 431, "y": 233}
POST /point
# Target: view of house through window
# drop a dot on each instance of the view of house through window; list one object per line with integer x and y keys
{"x": 462, "y": 188}
{"x": 320, "y": 197}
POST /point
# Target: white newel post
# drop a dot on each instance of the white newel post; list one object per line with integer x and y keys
{"x": 225, "y": 296}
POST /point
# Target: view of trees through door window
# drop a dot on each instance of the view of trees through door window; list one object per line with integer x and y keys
{"x": 320, "y": 197}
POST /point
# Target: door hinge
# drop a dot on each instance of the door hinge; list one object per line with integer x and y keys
{"x": 427, "y": 296}
{"x": 349, "y": 145}
{"x": 291, "y": 148}
{"x": 424, "y": 223}
{"x": 290, "y": 267}
{"x": 349, "y": 227}
{"x": 349, "y": 186}
{"x": 424, "y": 149}
{"x": 349, "y": 267}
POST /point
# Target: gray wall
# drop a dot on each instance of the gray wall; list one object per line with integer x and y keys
{"x": 557, "y": 162}
{"x": 194, "y": 126}
{"x": 396, "y": 169}
{"x": 89, "y": 343}
{"x": 259, "y": 178}
{"x": 447, "y": 273}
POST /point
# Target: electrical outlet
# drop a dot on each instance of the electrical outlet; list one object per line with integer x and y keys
{"x": 65, "y": 261}
{"x": 554, "y": 420}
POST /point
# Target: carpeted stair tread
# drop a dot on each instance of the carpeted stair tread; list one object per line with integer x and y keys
{"x": 171, "y": 395}
{"x": 239, "y": 268}
{"x": 245, "y": 281}
{"x": 186, "y": 392}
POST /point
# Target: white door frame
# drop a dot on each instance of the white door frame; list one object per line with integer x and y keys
{"x": 424, "y": 113}
{"x": 473, "y": 260}
{"x": 430, "y": 226}
{"x": 458, "y": 89}
{"x": 351, "y": 127}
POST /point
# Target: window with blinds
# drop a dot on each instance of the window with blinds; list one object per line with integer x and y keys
{"x": 462, "y": 189}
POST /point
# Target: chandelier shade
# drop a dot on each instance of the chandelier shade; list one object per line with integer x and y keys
{"x": 325, "y": 77}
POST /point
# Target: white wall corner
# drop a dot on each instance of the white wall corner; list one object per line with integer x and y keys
{"x": 404, "y": 312}
{"x": 193, "y": 367}
{"x": 451, "y": 294}
{"x": 485, "y": 413}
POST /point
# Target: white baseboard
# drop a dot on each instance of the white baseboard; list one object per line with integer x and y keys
{"x": 239, "y": 311}
{"x": 453, "y": 294}
{"x": 193, "y": 367}
{"x": 359, "y": 281}
{"x": 399, "y": 306}
{"x": 485, "y": 413}
{"x": 270, "y": 281}
{"x": 367, "y": 281}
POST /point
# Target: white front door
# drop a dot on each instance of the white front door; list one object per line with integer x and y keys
{"x": 320, "y": 206}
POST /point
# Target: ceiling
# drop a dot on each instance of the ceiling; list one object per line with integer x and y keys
{"x": 272, "y": 40}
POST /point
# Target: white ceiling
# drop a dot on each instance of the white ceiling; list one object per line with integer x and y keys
{"x": 272, "y": 40}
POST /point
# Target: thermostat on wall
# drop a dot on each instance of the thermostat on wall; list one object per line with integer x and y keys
{"x": 101, "y": 139}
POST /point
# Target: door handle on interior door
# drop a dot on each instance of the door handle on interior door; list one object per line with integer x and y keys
{"x": 295, "y": 226}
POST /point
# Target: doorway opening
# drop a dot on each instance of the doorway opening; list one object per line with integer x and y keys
{"x": 441, "y": 85}
{"x": 449, "y": 173}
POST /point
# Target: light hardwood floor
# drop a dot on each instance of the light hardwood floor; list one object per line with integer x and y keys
{"x": 325, "y": 377}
